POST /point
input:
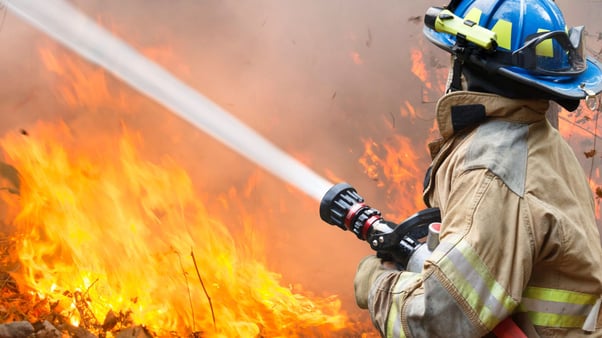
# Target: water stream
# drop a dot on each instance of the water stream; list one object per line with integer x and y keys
{"x": 75, "y": 30}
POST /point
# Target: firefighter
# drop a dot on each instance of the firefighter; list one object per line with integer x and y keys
{"x": 519, "y": 250}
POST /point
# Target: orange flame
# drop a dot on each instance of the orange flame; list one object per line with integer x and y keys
{"x": 357, "y": 58}
{"x": 99, "y": 228}
{"x": 419, "y": 68}
{"x": 581, "y": 130}
{"x": 120, "y": 229}
{"x": 434, "y": 79}
{"x": 395, "y": 163}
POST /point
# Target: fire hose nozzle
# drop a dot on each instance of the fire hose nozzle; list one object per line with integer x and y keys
{"x": 344, "y": 207}
{"x": 336, "y": 202}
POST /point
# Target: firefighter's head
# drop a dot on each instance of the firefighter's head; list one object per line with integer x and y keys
{"x": 532, "y": 54}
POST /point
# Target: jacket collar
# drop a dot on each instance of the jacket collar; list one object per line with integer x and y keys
{"x": 461, "y": 109}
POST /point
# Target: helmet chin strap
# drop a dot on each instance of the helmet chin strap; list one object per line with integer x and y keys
{"x": 454, "y": 79}
{"x": 450, "y": 76}
{"x": 460, "y": 52}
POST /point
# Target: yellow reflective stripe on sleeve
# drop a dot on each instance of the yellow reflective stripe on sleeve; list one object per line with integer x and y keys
{"x": 473, "y": 281}
{"x": 557, "y": 308}
{"x": 394, "y": 322}
{"x": 553, "y": 320}
{"x": 394, "y": 328}
{"x": 557, "y": 295}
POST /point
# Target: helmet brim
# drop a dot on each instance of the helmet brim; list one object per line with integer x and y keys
{"x": 569, "y": 87}
{"x": 573, "y": 87}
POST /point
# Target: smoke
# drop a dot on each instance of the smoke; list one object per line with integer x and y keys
{"x": 314, "y": 77}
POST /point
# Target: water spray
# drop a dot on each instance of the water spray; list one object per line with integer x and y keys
{"x": 69, "y": 26}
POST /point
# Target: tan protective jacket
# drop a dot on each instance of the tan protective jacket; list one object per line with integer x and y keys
{"x": 518, "y": 238}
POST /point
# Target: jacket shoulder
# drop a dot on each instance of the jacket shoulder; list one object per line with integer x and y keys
{"x": 501, "y": 147}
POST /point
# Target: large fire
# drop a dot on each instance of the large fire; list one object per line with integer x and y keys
{"x": 104, "y": 235}
{"x": 103, "y": 230}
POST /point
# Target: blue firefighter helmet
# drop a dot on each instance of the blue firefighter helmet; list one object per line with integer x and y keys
{"x": 526, "y": 41}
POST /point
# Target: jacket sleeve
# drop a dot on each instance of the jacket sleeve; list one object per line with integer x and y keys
{"x": 474, "y": 278}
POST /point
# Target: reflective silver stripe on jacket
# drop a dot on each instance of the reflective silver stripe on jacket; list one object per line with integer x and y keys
{"x": 473, "y": 281}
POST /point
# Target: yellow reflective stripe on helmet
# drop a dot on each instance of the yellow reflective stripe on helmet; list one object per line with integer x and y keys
{"x": 394, "y": 328}
{"x": 557, "y": 308}
{"x": 474, "y": 15}
{"x": 472, "y": 279}
{"x": 503, "y": 30}
{"x": 546, "y": 47}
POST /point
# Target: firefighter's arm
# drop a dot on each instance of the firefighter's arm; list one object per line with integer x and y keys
{"x": 474, "y": 278}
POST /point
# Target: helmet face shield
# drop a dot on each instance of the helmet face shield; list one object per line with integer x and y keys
{"x": 553, "y": 53}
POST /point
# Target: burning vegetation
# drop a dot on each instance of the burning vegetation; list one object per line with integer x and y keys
{"x": 105, "y": 240}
